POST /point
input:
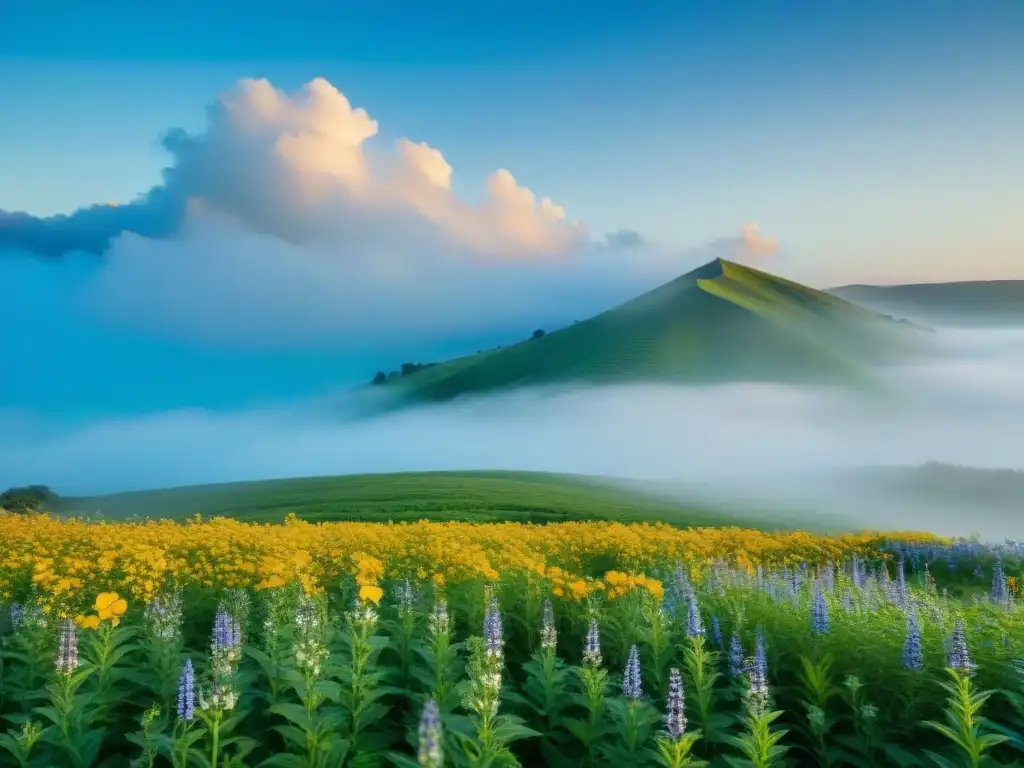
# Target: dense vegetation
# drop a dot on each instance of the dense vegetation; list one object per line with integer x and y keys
{"x": 224, "y": 644}
{"x": 28, "y": 498}
{"x": 408, "y": 369}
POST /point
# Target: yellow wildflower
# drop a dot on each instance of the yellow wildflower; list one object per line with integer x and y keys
{"x": 371, "y": 593}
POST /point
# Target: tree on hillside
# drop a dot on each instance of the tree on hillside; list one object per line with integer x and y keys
{"x": 29, "y": 498}
{"x": 538, "y": 333}
{"x": 380, "y": 378}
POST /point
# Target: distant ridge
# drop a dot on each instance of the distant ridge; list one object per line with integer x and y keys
{"x": 719, "y": 322}
{"x": 975, "y": 302}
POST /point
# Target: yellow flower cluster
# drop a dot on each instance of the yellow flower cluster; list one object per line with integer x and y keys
{"x": 368, "y": 572}
{"x": 65, "y": 562}
{"x": 109, "y": 606}
{"x": 618, "y": 584}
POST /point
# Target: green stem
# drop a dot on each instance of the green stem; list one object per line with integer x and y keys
{"x": 215, "y": 739}
{"x": 311, "y": 702}
{"x": 441, "y": 644}
{"x": 631, "y": 733}
{"x": 485, "y": 737}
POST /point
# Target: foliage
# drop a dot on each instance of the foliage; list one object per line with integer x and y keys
{"x": 29, "y": 498}
{"x": 220, "y": 645}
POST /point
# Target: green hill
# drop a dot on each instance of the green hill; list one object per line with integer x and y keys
{"x": 482, "y": 496}
{"x": 720, "y": 322}
{"x": 994, "y": 302}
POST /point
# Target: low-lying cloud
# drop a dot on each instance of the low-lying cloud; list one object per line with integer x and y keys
{"x": 770, "y": 445}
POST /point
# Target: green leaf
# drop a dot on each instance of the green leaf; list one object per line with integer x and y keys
{"x": 88, "y": 745}
{"x": 292, "y": 735}
{"x": 509, "y": 729}
{"x": 50, "y": 713}
{"x": 940, "y": 760}
{"x": 285, "y": 761}
{"x": 901, "y": 756}
{"x": 401, "y": 761}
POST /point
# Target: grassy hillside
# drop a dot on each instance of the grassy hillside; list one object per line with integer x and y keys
{"x": 721, "y": 322}
{"x": 477, "y": 496}
{"x": 966, "y": 303}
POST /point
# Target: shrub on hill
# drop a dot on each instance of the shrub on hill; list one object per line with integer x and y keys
{"x": 29, "y": 498}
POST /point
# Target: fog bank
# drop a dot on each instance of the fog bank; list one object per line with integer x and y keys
{"x": 740, "y": 443}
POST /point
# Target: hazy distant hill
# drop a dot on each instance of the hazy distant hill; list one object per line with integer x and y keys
{"x": 720, "y": 322}
{"x": 947, "y": 483}
{"x": 969, "y": 303}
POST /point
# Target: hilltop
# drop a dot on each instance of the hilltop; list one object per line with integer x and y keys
{"x": 993, "y": 302}
{"x": 721, "y": 322}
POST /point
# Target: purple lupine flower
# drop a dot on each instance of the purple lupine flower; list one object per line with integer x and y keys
{"x": 430, "y": 753}
{"x": 16, "y": 612}
{"x": 979, "y": 574}
{"x": 829, "y": 576}
{"x": 163, "y": 614}
{"x": 681, "y": 582}
{"x": 716, "y": 631}
{"x": 438, "y": 622}
{"x": 405, "y": 598}
{"x": 236, "y": 632}
{"x": 999, "y": 587}
{"x": 226, "y": 632}
{"x": 848, "y": 601}
{"x": 675, "y": 709}
{"x": 819, "y": 611}
{"x": 592, "y": 645}
{"x": 187, "y": 692}
{"x": 760, "y": 657}
{"x": 694, "y": 623}
{"x": 66, "y": 661}
{"x": 901, "y": 581}
{"x": 959, "y": 657}
{"x": 548, "y": 633}
{"x": 735, "y": 655}
{"x": 492, "y": 630}
{"x": 913, "y": 655}
{"x": 757, "y": 693}
{"x": 631, "y": 685}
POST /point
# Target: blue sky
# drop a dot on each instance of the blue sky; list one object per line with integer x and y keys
{"x": 865, "y": 136}
{"x": 878, "y": 142}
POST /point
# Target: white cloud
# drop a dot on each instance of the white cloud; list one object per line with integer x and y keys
{"x": 749, "y": 246}
{"x": 298, "y": 166}
{"x": 279, "y": 224}
{"x": 218, "y": 282}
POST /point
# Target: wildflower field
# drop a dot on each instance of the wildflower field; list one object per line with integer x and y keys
{"x": 221, "y": 643}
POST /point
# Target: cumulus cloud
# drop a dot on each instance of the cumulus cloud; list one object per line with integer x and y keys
{"x": 300, "y": 167}
{"x": 749, "y": 246}
{"x": 282, "y": 224}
